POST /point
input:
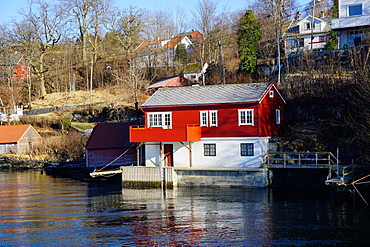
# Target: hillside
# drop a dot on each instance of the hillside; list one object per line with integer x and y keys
{"x": 115, "y": 96}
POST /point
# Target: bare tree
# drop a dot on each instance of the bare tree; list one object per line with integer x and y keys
{"x": 128, "y": 27}
{"x": 39, "y": 34}
{"x": 273, "y": 14}
{"x": 159, "y": 26}
{"x": 89, "y": 16}
{"x": 135, "y": 79}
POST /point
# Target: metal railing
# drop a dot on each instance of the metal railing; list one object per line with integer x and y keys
{"x": 300, "y": 160}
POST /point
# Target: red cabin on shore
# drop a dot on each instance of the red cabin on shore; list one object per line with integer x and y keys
{"x": 109, "y": 144}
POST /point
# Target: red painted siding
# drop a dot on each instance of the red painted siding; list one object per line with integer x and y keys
{"x": 102, "y": 157}
{"x": 227, "y": 117}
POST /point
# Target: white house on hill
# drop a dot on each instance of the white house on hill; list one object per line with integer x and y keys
{"x": 306, "y": 34}
{"x": 354, "y": 19}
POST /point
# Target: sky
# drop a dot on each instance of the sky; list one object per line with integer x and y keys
{"x": 9, "y": 8}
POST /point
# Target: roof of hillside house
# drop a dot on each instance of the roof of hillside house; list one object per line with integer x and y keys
{"x": 109, "y": 135}
{"x": 191, "y": 35}
{"x": 293, "y": 25}
{"x": 13, "y": 59}
{"x": 204, "y": 95}
{"x": 159, "y": 44}
{"x": 177, "y": 81}
{"x": 12, "y": 133}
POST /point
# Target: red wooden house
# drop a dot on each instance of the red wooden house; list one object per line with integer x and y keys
{"x": 109, "y": 144}
{"x": 16, "y": 67}
{"x": 210, "y": 126}
{"x": 177, "y": 81}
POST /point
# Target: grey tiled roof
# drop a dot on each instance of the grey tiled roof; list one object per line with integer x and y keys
{"x": 203, "y": 95}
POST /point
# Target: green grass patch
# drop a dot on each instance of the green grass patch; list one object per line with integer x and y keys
{"x": 83, "y": 126}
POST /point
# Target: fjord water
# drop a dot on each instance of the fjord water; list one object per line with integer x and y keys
{"x": 36, "y": 209}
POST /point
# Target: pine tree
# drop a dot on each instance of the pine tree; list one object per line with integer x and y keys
{"x": 248, "y": 36}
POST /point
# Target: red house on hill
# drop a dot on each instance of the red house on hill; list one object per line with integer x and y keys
{"x": 109, "y": 144}
{"x": 15, "y": 67}
{"x": 210, "y": 126}
{"x": 177, "y": 81}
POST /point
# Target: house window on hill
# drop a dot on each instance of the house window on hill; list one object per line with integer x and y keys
{"x": 323, "y": 38}
{"x": 354, "y": 10}
{"x": 295, "y": 43}
{"x": 246, "y": 149}
{"x": 245, "y": 117}
{"x": 209, "y": 149}
{"x": 160, "y": 119}
{"x": 308, "y": 25}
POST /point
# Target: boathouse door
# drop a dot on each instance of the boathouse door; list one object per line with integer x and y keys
{"x": 168, "y": 154}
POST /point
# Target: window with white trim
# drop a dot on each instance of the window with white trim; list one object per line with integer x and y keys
{"x": 208, "y": 119}
{"x": 160, "y": 119}
{"x": 204, "y": 118}
{"x": 245, "y": 117}
{"x": 213, "y": 118}
{"x": 278, "y": 117}
{"x": 308, "y": 25}
{"x": 246, "y": 149}
{"x": 354, "y": 10}
{"x": 209, "y": 149}
{"x": 271, "y": 93}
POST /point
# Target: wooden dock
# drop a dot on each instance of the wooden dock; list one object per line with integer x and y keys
{"x": 106, "y": 173}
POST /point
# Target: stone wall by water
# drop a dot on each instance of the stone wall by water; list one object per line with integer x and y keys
{"x": 247, "y": 177}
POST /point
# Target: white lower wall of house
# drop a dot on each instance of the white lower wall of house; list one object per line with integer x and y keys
{"x": 152, "y": 151}
{"x": 227, "y": 153}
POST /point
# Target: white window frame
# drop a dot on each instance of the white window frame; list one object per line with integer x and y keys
{"x": 213, "y": 122}
{"x": 353, "y": 5}
{"x": 246, "y": 112}
{"x": 203, "y": 118}
{"x": 278, "y": 116}
{"x": 308, "y": 25}
{"x": 160, "y": 119}
{"x": 271, "y": 93}
{"x": 208, "y": 118}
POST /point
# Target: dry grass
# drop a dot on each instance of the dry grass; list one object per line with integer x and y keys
{"x": 117, "y": 95}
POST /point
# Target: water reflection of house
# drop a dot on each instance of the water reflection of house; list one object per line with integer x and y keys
{"x": 18, "y": 138}
{"x": 109, "y": 144}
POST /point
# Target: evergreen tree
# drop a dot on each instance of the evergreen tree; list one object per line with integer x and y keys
{"x": 180, "y": 54}
{"x": 248, "y": 36}
{"x": 332, "y": 42}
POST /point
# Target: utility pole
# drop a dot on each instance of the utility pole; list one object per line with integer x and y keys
{"x": 313, "y": 22}
{"x": 222, "y": 65}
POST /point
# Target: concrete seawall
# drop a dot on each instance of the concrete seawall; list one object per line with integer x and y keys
{"x": 222, "y": 177}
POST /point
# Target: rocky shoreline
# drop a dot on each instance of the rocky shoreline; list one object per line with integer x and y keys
{"x": 22, "y": 164}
